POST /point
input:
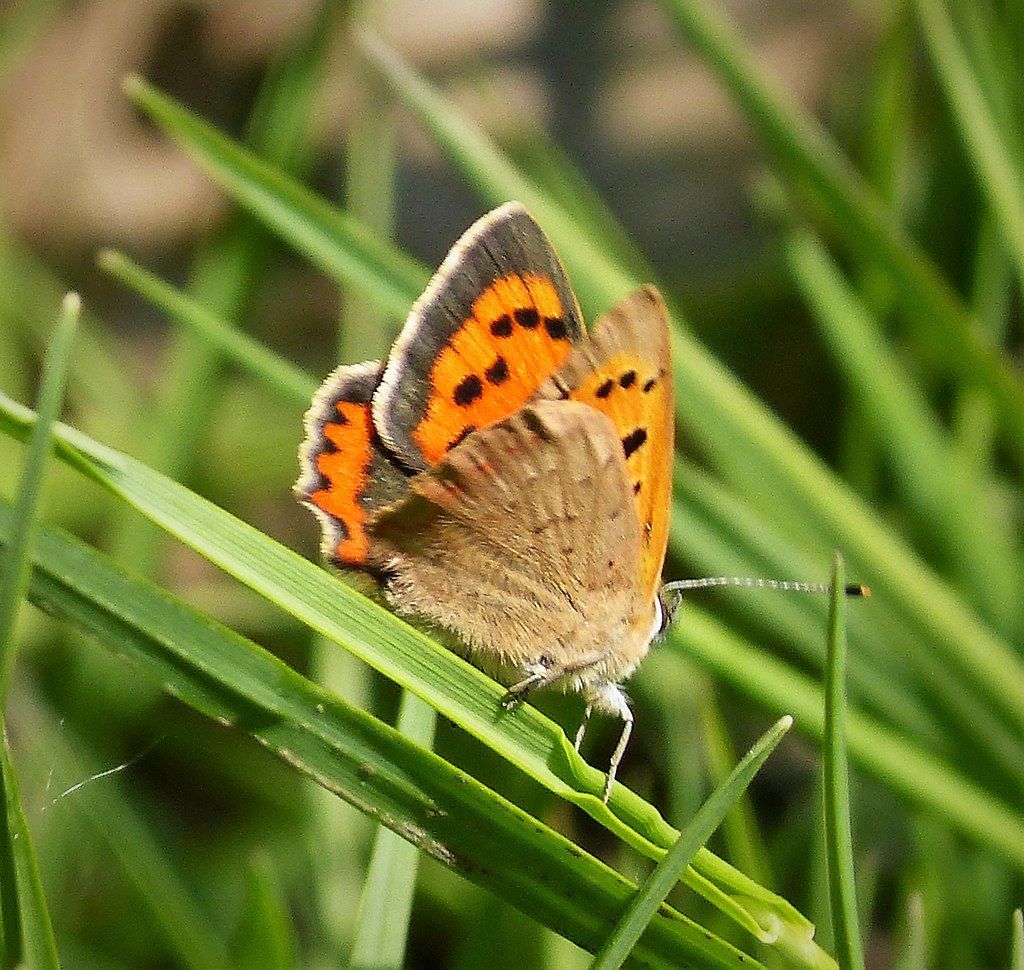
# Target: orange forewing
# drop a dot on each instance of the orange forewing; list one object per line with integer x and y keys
{"x": 637, "y": 395}
{"x": 514, "y": 340}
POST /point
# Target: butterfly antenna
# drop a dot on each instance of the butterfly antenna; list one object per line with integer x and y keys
{"x": 681, "y": 585}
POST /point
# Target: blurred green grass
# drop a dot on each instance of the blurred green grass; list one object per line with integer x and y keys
{"x": 891, "y": 261}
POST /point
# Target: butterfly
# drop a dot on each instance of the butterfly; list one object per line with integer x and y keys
{"x": 506, "y": 474}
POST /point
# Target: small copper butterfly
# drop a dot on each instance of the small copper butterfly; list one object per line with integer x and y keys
{"x": 505, "y": 474}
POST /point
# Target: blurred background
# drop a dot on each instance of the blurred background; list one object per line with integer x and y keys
{"x": 608, "y": 87}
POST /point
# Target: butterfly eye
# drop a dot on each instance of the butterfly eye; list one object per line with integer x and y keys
{"x": 667, "y": 602}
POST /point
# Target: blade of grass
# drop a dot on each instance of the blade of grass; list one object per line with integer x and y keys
{"x": 835, "y": 785}
{"x": 123, "y": 828}
{"x": 905, "y": 426}
{"x": 14, "y": 578}
{"x": 820, "y": 173}
{"x": 999, "y": 175}
{"x": 265, "y": 940}
{"x": 445, "y": 812}
{"x": 903, "y": 766}
{"x": 271, "y": 368}
{"x": 28, "y": 935}
{"x": 329, "y": 237}
{"x": 642, "y": 907}
{"x": 745, "y": 846}
{"x": 1017, "y": 941}
{"x": 914, "y": 952}
{"x": 371, "y": 160}
{"x": 461, "y": 692}
{"x": 385, "y": 906}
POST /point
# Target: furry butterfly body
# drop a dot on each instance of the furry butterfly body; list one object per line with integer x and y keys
{"x": 505, "y": 474}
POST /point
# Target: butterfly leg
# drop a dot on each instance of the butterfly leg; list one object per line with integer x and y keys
{"x": 609, "y": 699}
{"x": 582, "y": 729}
{"x": 544, "y": 672}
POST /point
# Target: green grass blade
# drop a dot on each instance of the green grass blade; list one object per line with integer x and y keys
{"x": 836, "y": 785}
{"x": 383, "y": 922}
{"x": 819, "y": 171}
{"x": 996, "y": 165}
{"x": 666, "y": 874}
{"x": 907, "y": 768}
{"x": 290, "y": 381}
{"x": 371, "y": 163}
{"x": 14, "y": 577}
{"x": 28, "y": 935}
{"x": 455, "y": 688}
{"x": 1017, "y": 941}
{"x": 906, "y": 427}
{"x": 105, "y": 809}
{"x": 265, "y": 940}
{"x": 914, "y": 949}
{"x": 745, "y": 847}
{"x": 597, "y": 278}
{"x": 443, "y": 811}
{"x": 333, "y": 240}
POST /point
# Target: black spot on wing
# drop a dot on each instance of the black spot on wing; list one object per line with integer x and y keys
{"x": 527, "y": 317}
{"x": 649, "y": 385}
{"x": 605, "y": 389}
{"x": 628, "y": 379}
{"x": 634, "y": 440}
{"x": 497, "y": 373}
{"x": 469, "y": 389}
{"x": 502, "y": 327}
{"x": 556, "y": 328}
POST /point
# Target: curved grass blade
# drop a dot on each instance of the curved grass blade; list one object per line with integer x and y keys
{"x": 836, "y": 785}
{"x": 905, "y": 767}
{"x": 818, "y": 171}
{"x": 264, "y": 938}
{"x": 999, "y": 176}
{"x": 382, "y": 925}
{"x": 328, "y": 236}
{"x": 443, "y": 811}
{"x": 278, "y": 373}
{"x": 28, "y": 935}
{"x": 455, "y": 688}
{"x": 14, "y": 577}
{"x": 645, "y": 903}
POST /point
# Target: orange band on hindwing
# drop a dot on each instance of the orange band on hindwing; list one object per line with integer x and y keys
{"x": 346, "y": 468}
{"x": 516, "y": 336}
{"x": 346, "y": 473}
